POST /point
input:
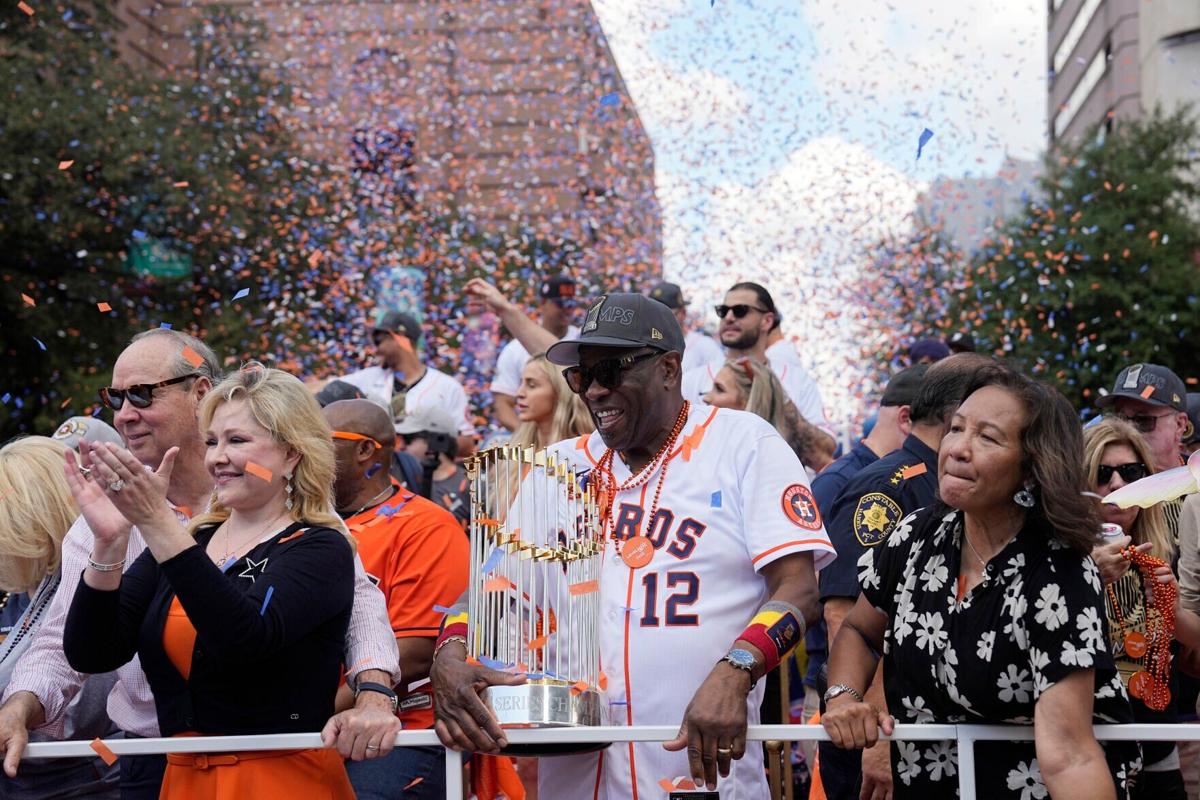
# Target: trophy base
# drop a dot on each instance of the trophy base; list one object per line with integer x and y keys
{"x": 544, "y": 705}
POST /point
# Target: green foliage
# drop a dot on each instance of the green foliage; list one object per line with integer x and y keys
{"x": 1104, "y": 269}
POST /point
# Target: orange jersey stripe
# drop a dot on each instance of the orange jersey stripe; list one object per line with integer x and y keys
{"x": 777, "y": 547}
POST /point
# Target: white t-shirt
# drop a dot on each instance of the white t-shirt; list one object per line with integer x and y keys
{"x": 699, "y": 348}
{"x": 434, "y": 389}
{"x": 798, "y": 384}
{"x": 783, "y": 352}
{"x": 735, "y": 499}
{"x": 511, "y": 362}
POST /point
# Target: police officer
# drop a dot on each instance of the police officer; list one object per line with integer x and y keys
{"x": 863, "y": 515}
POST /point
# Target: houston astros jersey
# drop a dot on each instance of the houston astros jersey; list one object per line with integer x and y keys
{"x": 735, "y": 499}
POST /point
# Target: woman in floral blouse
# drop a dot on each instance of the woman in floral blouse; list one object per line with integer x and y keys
{"x": 988, "y": 610}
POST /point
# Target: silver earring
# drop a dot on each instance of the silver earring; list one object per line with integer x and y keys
{"x": 1024, "y": 497}
{"x": 288, "y": 503}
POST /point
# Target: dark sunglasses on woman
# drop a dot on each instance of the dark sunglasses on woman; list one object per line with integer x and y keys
{"x": 608, "y": 373}
{"x": 739, "y": 311}
{"x": 1133, "y": 471}
{"x": 141, "y": 395}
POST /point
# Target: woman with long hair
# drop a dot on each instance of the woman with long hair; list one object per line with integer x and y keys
{"x": 547, "y": 409}
{"x": 1114, "y": 454}
{"x": 36, "y": 511}
{"x": 240, "y": 619}
{"x": 749, "y": 385}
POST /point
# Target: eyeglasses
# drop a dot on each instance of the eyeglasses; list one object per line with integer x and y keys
{"x": 608, "y": 373}
{"x": 1133, "y": 471}
{"x": 355, "y": 437}
{"x": 1146, "y": 423}
{"x": 140, "y": 395}
{"x": 739, "y": 311}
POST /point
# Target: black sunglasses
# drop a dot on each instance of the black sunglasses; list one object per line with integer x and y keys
{"x": 1129, "y": 473}
{"x": 739, "y": 311}
{"x": 608, "y": 373}
{"x": 1146, "y": 423}
{"x": 141, "y": 395}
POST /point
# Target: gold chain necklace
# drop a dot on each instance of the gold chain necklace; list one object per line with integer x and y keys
{"x": 229, "y": 551}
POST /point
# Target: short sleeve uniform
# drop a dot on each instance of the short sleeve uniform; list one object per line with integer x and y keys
{"x": 1037, "y": 617}
{"x": 872, "y": 503}
{"x": 734, "y": 500}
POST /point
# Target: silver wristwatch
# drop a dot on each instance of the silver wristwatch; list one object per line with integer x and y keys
{"x": 742, "y": 659}
{"x": 840, "y": 689}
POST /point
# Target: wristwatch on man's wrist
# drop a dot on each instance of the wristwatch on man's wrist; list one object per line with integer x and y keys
{"x": 839, "y": 689}
{"x": 386, "y": 691}
{"x": 743, "y": 660}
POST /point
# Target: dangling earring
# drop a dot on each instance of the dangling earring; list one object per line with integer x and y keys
{"x": 1024, "y": 497}
{"x": 288, "y": 503}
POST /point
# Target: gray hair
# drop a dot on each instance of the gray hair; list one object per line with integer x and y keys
{"x": 208, "y": 367}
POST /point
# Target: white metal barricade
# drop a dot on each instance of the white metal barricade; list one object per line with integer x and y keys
{"x": 965, "y": 735}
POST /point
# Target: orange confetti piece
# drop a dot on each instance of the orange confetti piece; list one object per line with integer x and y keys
{"x": 538, "y": 643}
{"x": 914, "y": 471}
{"x": 666, "y": 785}
{"x": 192, "y": 357}
{"x": 103, "y": 307}
{"x": 315, "y": 258}
{"x": 29, "y": 301}
{"x": 65, "y": 403}
{"x": 685, "y": 785}
{"x": 259, "y": 471}
{"x": 486, "y": 521}
{"x": 65, "y": 164}
{"x": 584, "y": 587}
{"x": 106, "y": 754}
{"x": 1147, "y": 391}
{"x": 579, "y": 688}
{"x": 498, "y": 584}
{"x": 413, "y": 783}
{"x": 603, "y": 682}
{"x": 180, "y": 184}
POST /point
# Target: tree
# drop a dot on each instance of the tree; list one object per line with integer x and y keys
{"x": 1103, "y": 270}
{"x": 129, "y": 200}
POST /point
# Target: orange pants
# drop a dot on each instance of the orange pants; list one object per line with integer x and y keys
{"x": 293, "y": 774}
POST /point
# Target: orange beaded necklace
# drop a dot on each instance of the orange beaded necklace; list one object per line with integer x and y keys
{"x": 1152, "y": 686}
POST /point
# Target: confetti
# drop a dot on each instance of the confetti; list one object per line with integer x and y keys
{"x": 103, "y": 307}
{"x": 584, "y": 587}
{"x": 926, "y": 135}
{"x": 913, "y": 471}
{"x": 28, "y": 300}
{"x": 414, "y": 782}
{"x": 192, "y": 357}
{"x": 241, "y": 293}
{"x": 65, "y": 164}
{"x": 498, "y": 584}
{"x": 259, "y": 471}
{"x": 538, "y": 643}
{"x": 104, "y": 751}
{"x": 493, "y": 560}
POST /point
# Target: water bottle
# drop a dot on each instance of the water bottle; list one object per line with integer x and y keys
{"x": 1110, "y": 531}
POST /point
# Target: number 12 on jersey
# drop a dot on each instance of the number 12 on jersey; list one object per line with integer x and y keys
{"x": 682, "y": 589}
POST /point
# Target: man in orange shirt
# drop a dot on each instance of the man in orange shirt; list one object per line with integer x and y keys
{"x": 417, "y": 554}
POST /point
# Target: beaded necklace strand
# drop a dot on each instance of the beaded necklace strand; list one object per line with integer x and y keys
{"x": 1152, "y": 685}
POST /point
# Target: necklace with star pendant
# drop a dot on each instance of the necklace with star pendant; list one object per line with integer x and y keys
{"x": 232, "y": 554}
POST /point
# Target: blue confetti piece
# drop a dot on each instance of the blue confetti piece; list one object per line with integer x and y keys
{"x": 926, "y": 135}
{"x": 610, "y": 99}
{"x": 618, "y": 702}
{"x": 493, "y": 663}
{"x": 6, "y": 398}
{"x": 715, "y": 500}
{"x": 241, "y": 293}
{"x": 493, "y": 560}
{"x": 39, "y": 342}
{"x": 165, "y": 325}
{"x": 374, "y": 469}
{"x": 442, "y": 609}
{"x": 139, "y": 234}
{"x": 267, "y": 600}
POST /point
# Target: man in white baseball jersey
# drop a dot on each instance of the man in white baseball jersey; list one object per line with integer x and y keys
{"x": 748, "y": 315}
{"x": 403, "y": 383}
{"x": 708, "y": 572}
{"x": 699, "y": 348}
{"x": 557, "y": 310}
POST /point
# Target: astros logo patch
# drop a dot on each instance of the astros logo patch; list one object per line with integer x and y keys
{"x": 874, "y": 518}
{"x": 800, "y": 507}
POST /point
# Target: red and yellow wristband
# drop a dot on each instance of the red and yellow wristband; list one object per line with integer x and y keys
{"x": 775, "y": 630}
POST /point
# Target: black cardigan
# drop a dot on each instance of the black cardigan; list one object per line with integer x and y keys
{"x": 270, "y": 632}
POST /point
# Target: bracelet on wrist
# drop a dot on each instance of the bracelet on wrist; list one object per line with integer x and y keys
{"x": 460, "y": 639}
{"x": 98, "y": 567}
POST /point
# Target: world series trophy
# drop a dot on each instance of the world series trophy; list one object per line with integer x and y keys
{"x": 533, "y": 601}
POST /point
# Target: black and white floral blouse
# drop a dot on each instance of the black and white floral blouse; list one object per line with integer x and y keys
{"x": 1037, "y": 616}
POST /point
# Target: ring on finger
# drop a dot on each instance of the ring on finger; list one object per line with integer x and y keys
{"x": 116, "y": 485}
{"x": 372, "y": 747}
{"x": 724, "y": 751}
{"x": 85, "y": 471}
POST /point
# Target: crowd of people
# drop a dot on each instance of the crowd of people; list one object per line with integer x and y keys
{"x": 251, "y": 554}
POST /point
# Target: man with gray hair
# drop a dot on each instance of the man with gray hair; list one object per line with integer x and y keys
{"x": 158, "y": 382}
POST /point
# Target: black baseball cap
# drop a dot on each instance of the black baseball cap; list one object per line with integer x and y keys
{"x": 1150, "y": 383}
{"x": 669, "y": 294}
{"x": 338, "y": 390}
{"x": 961, "y": 342}
{"x": 929, "y": 348}
{"x": 1193, "y": 411}
{"x": 401, "y": 323}
{"x": 903, "y": 387}
{"x": 622, "y": 319}
{"x": 558, "y": 287}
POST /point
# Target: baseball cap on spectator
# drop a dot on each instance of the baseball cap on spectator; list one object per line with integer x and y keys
{"x": 903, "y": 387}
{"x": 928, "y": 348}
{"x": 401, "y": 323}
{"x": 427, "y": 419}
{"x": 338, "y": 390}
{"x": 622, "y": 319}
{"x": 961, "y": 342}
{"x": 86, "y": 429}
{"x": 559, "y": 288}
{"x": 1150, "y": 383}
{"x": 1193, "y": 412}
{"x": 669, "y": 294}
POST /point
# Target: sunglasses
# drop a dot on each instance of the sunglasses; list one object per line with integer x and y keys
{"x": 1146, "y": 423}
{"x": 1129, "y": 473}
{"x": 739, "y": 311}
{"x": 355, "y": 437}
{"x": 608, "y": 373}
{"x": 140, "y": 395}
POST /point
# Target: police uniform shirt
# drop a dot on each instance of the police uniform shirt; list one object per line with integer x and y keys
{"x": 869, "y": 507}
